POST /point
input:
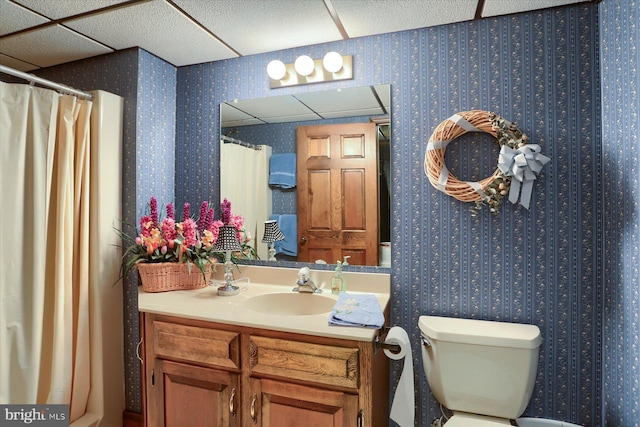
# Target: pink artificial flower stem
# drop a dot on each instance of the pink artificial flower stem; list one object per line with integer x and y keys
{"x": 154, "y": 211}
{"x": 170, "y": 211}
{"x": 203, "y": 216}
{"x": 226, "y": 212}
{"x": 209, "y": 220}
{"x": 186, "y": 211}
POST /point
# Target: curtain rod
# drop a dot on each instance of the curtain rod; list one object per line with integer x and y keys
{"x": 240, "y": 142}
{"x": 39, "y": 80}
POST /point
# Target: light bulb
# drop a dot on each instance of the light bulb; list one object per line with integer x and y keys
{"x": 332, "y": 62}
{"x": 276, "y": 69}
{"x": 304, "y": 65}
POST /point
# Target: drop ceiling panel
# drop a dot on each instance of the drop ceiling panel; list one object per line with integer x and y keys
{"x": 352, "y": 113}
{"x": 58, "y": 9}
{"x": 156, "y": 27}
{"x": 294, "y": 118}
{"x": 252, "y": 27}
{"x": 234, "y": 117}
{"x": 335, "y": 103}
{"x": 328, "y": 104}
{"x": 186, "y": 32}
{"x": 268, "y": 108}
{"x": 238, "y": 123}
{"x": 15, "y": 18}
{"x": 365, "y": 17}
{"x": 384, "y": 94}
{"x": 16, "y": 64}
{"x": 502, "y": 7}
{"x": 50, "y": 46}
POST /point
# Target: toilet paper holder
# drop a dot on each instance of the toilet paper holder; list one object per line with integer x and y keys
{"x": 393, "y": 348}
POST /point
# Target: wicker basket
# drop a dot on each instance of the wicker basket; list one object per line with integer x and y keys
{"x": 173, "y": 276}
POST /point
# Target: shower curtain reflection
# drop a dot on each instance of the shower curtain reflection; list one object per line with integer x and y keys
{"x": 244, "y": 177}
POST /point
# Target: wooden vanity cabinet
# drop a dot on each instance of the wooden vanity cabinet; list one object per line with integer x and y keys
{"x": 208, "y": 374}
{"x": 192, "y": 374}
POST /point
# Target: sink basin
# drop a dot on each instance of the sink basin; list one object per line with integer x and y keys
{"x": 291, "y": 304}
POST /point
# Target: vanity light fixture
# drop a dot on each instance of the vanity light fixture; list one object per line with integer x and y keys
{"x": 276, "y": 69}
{"x": 332, "y": 62}
{"x": 306, "y": 70}
{"x": 304, "y": 65}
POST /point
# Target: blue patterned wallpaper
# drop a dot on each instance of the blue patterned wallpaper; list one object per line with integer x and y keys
{"x": 568, "y": 265}
{"x": 539, "y": 266}
{"x": 620, "y": 70}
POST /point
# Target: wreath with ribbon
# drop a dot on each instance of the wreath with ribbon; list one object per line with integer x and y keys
{"x": 518, "y": 162}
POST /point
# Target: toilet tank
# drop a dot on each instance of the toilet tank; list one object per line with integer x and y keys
{"x": 478, "y": 366}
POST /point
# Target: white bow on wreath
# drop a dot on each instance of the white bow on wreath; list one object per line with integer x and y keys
{"x": 522, "y": 164}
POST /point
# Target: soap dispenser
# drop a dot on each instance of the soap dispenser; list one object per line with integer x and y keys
{"x": 345, "y": 263}
{"x": 337, "y": 281}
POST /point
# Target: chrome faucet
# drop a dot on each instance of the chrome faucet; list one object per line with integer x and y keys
{"x": 304, "y": 284}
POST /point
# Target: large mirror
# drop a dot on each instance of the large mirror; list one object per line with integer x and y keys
{"x": 259, "y": 140}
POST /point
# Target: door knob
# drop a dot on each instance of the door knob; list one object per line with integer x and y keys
{"x": 303, "y": 240}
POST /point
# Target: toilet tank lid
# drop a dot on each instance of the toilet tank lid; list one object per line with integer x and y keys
{"x": 480, "y": 332}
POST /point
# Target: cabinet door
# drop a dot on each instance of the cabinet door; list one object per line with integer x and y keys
{"x": 281, "y": 404}
{"x": 187, "y": 395}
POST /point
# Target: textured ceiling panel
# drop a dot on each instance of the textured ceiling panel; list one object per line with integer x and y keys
{"x": 173, "y": 29}
{"x": 502, "y": 7}
{"x": 15, "y": 18}
{"x": 252, "y": 27}
{"x": 337, "y": 103}
{"x": 50, "y": 46}
{"x": 384, "y": 94}
{"x": 267, "y": 108}
{"x": 57, "y": 9}
{"x": 329, "y": 104}
{"x": 361, "y": 18}
{"x": 156, "y": 27}
{"x": 16, "y": 64}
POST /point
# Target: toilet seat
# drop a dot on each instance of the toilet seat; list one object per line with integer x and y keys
{"x": 463, "y": 419}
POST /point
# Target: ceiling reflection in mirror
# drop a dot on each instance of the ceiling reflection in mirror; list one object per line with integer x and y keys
{"x": 252, "y": 131}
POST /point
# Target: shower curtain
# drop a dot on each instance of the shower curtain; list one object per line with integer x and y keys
{"x": 56, "y": 193}
{"x": 244, "y": 176}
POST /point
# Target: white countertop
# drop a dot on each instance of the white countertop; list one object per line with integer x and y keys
{"x": 205, "y": 304}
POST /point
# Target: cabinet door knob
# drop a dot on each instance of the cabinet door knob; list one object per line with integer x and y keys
{"x": 360, "y": 418}
{"x": 254, "y": 415}
{"x": 303, "y": 240}
{"x": 232, "y": 402}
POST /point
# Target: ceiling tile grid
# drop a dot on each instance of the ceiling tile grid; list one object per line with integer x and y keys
{"x": 367, "y": 17}
{"x": 63, "y": 9}
{"x": 42, "y": 33}
{"x": 158, "y": 28}
{"x": 15, "y": 18}
{"x": 50, "y": 46}
{"x": 252, "y": 27}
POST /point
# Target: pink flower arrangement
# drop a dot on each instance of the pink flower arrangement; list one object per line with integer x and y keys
{"x": 190, "y": 240}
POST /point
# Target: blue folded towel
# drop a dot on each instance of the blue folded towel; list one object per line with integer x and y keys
{"x": 282, "y": 170}
{"x": 357, "y": 310}
{"x": 288, "y": 224}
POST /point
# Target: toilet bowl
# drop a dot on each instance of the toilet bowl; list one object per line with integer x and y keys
{"x": 483, "y": 371}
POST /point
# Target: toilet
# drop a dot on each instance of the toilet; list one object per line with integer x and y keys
{"x": 483, "y": 371}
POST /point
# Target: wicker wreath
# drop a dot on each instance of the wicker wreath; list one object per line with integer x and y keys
{"x": 447, "y": 131}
